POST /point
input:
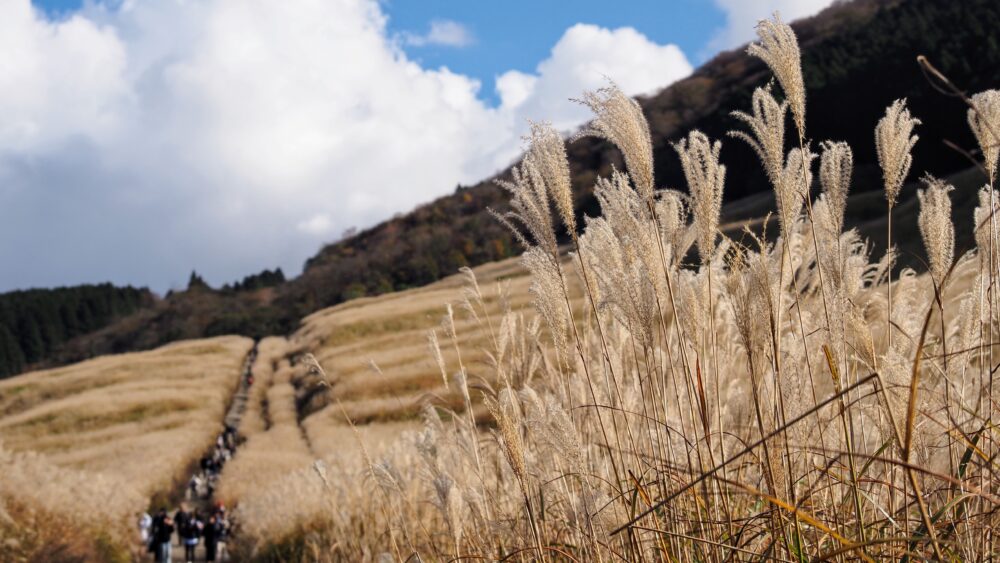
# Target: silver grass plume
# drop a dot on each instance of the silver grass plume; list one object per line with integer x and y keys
{"x": 448, "y": 322}
{"x": 739, "y": 290}
{"x": 767, "y": 132}
{"x": 623, "y": 280}
{"x": 970, "y": 313}
{"x": 627, "y": 247}
{"x": 791, "y": 191}
{"x": 672, "y": 211}
{"x": 546, "y": 288}
{"x": 549, "y": 155}
{"x": 706, "y": 177}
{"x": 692, "y": 301}
{"x": 619, "y": 119}
{"x": 509, "y": 435}
{"x": 472, "y": 295}
{"x": 779, "y": 49}
{"x": 985, "y": 123}
{"x": 531, "y": 211}
{"x": 894, "y": 139}
{"x": 435, "y": 346}
{"x": 553, "y": 426}
{"x": 827, "y": 237}
{"x": 835, "y": 170}
{"x": 748, "y": 291}
{"x": 449, "y": 502}
{"x": 984, "y": 219}
{"x": 936, "y": 227}
{"x": 387, "y": 477}
{"x": 628, "y": 215}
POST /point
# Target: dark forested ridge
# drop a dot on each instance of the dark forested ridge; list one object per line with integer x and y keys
{"x": 36, "y": 322}
{"x": 857, "y": 58}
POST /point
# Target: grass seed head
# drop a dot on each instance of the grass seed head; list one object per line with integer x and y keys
{"x": 984, "y": 120}
{"x": 779, "y": 49}
{"x": 894, "y": 140}
{"x": 619, "y": 119}
{"x": 549, "y": 155}
{"x": 767, "y": 134}
{"x": 936, "y": 227}
{"x": 793, "y": 188}
{"x": 705, "y": 176}
{"x": 835, "y": 169}
{"x": 986, "y": 219}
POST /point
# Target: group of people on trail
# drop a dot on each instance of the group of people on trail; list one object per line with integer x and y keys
{"x": 202, "y": 484}
{"x": 191, "y": 526}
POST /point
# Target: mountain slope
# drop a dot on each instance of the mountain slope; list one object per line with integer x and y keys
{"x": 857, "y": 58}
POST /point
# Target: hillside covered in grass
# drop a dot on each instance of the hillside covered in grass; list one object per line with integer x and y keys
{"x": 856, "y": 56}
{"x": 85, "y": 447}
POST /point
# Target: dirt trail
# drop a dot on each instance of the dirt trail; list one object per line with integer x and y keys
{"x": 238, "y": 405}
{"x": 205, "y": 504}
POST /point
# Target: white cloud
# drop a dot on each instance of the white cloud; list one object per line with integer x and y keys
{"x": 141, "y": 141}
{"x": 446, "y": 33}
{"x": 56, "y": 80}
{"x": 743, "y": 15}
{"x": 319, "y": 224}
{"x": 584, "y": 58}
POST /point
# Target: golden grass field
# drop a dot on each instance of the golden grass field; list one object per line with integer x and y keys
{"x": 128, "y": 426}
{"x": 376, "y": 354}
{"x": 377, "y": 348}
{"x": 274, "y": 442}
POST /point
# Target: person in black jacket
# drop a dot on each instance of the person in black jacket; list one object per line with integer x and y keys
{"x": 215, "y": 532}
{"x": 188, "y": 531}
{"x": 164, "y": 531}
{"x": 151, "y": 543}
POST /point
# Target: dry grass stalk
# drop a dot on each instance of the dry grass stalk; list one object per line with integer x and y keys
{"x": 984, "y": 119}
{"x": 705, "y": 177}
{"x": 936, "y": 227}
{"x": 619, "y": 119}
{"x": 894, "y": 141}
{"x": 779, "y": 48}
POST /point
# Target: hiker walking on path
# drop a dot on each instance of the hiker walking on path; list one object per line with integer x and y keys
{"x": 190, "y": 524}
{"x": 215, "y": 536}
{"x": 163, "y": 532}
{"x": 188, "y": 531}
{"x": 145, "y": 524}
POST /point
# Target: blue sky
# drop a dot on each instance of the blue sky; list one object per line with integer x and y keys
{"x": 143, "y": 139}
{"x": 517, "y": 34}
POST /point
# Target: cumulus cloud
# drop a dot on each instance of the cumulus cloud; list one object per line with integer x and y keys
{"x": 57, "y": 81}
{"x": 446, "y": 33}
{"x": 741, "y": 15}
{"x": 585, "y": 58}
{"x": 140, "y": 140}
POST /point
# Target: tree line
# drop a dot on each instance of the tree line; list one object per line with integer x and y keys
{"x": 34, "y": 322}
